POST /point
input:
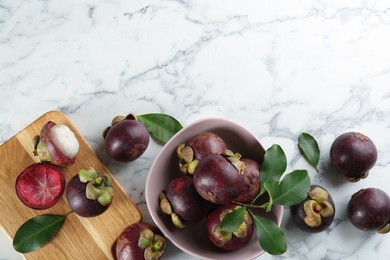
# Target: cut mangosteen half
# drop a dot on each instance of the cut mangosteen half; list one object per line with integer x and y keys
{"x": 40, "y": 185}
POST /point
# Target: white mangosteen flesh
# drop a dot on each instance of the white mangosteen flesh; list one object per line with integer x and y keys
{"x": 65, "y": 140}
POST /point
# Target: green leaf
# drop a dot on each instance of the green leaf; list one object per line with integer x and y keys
{"x": 293, "y": 188}
{"x": 273, "y": 166}
{"x": 272, "y": 188}
{"x": 232, "y": 221}
{"x": 36, "y": 232}
{"x": 160, "y": 126}
{"x": 308, "y": 147}
{"x": 271, "y": 237}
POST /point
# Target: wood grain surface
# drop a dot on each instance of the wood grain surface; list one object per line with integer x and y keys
{"x": 79, "y": 238}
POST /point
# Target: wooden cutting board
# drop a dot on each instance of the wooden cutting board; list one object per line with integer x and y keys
{"x": 78, "y": 238}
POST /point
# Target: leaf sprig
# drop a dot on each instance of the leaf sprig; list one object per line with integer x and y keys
{"x": 161, "y": 126}
{"x": 36, "y": 232}
{"x": 287, "y": 191}
{"x": 309, "y": 149}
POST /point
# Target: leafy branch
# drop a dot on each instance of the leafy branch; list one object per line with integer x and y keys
{"x": 287, "y": 191}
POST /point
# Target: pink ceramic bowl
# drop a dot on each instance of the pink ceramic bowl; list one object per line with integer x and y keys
{"x": 193, "y": 239}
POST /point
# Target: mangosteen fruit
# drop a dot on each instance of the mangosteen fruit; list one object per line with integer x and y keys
{"x": 353, "y": 154}
{"x": 316, "y": 212}
{"x": 56, "y": 144}
{"x": 126, "y": 139}
{"x": 140, "y": 241}
{"x": 219, "y": 178}
{"x": 40, "y": 185}
{"x": 197, "y": 148}
{"x": 183, "y": 202}
{"x": 89, "y": 193}
{"x": 251, "y": 185}
{"x": 369, "y": 210}
{"x": 228, "y": 240}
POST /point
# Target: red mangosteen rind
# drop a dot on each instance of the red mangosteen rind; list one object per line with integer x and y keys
{"x": 47, "y": 150}
{"x": 140, "y": 241}
{"x": 40, "y": 185}
{"x": 316, "y": 213}
{"x": 89, "y": 193}
{"x": 353, "y": 154}
{"x": 126, "y": 139}
{"x": 228, "y": 241}
{"x": 369, "y": 210}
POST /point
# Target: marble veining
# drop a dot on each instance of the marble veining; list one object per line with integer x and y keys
{"x": 279, "y": 68}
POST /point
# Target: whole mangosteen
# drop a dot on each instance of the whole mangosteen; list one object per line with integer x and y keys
{"x": 140, "y": 241}
{"x": 89, "y": 193}
{"x": 219, "y": 178}
{"x": 228, "y": 240}
{"x": 353, "y": 154}
{"x": 369, "y": 210}
{"x": 126, "y": 139}
{"x": 183, "y": 202}
{"x": 316, "y": 212}
{"x": 197, "y": 148}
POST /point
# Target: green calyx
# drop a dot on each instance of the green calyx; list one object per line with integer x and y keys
{"x": 187, "y": 162}
{"x": 235, "y": 160}
{"x": 98, "y": 186}
{"x": 167, "y": 209}
{"x": 41, "y": 150}
{"x": 153, "y": 244}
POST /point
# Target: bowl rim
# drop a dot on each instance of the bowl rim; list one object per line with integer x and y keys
{"x": 156, "y": 218}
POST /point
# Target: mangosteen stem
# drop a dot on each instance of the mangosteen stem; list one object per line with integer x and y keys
{"x": 252, "y": 205}
{"x": 254, "y": 200}
{"x": 98, "y": 181}
{"x": 317, "y": 208}
{"x": 66, "y": 214}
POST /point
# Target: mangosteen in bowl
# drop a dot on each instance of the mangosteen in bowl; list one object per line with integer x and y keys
{"x": 193, "y": 239}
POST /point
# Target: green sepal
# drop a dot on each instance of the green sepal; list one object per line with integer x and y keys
{"x": 42, "y": 152}
{"x": 88, "y": 174}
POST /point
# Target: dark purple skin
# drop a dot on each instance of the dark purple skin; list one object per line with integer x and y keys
{"x": 79, "y": 203}
{"x": 213, "y": 220}
{"x": 298, "y": 215}
{"x": 126, "y": 140}
{"x": 369, "y": 209}
{"x": 206, "y": 143}
{"x": 251, "y": 186}
{"x": 127, "y": 242}
{"x": 353, "y": 154}
{"x": 185, "y": 200}
{"x": 217, "y": 180}
{"x": 40, "y": 185}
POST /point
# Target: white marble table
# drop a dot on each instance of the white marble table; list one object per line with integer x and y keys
{"x": 278, "y": 68}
